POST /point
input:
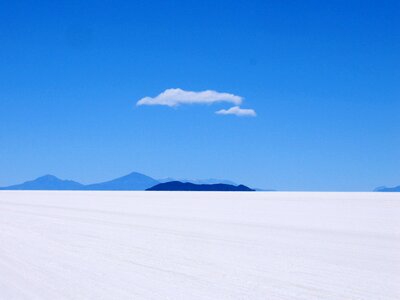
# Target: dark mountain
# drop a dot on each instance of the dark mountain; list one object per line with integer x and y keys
{"x": 131, "y": 182}
{"x": 198, "y": 181}
{"x": 387, "y": 189}
{"x": 47, "y": 182}
{"x": 187, "y": 186}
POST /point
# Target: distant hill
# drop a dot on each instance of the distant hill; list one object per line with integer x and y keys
{"x": 387, "y": 189}
{"x": 187, "y": 186}
{"x": 47, "y": 182}
{"x": 131, "y": 182}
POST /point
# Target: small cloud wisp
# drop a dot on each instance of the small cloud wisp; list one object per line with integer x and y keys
{"x": 237, "y": 111}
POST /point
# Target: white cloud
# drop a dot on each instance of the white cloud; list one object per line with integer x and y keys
{"x": 175, "y": 97}
{"x": 236, "y": 110}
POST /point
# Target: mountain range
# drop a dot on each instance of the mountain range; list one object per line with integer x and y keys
{"x": 131, "y": 182}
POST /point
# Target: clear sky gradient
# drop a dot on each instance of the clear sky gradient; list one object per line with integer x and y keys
{"x": 323, "y": 77}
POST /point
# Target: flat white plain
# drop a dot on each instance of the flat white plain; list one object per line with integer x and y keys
{"x": 183, "y": 245}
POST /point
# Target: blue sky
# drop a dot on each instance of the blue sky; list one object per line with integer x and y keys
{"x": 322, "y": 76}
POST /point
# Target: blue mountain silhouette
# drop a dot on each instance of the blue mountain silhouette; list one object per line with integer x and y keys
{"x": 187, "y": 186}
{"x": 47, "y": 182}
{"x": 131, "y": 182}
{"x": 388, "y": 189}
